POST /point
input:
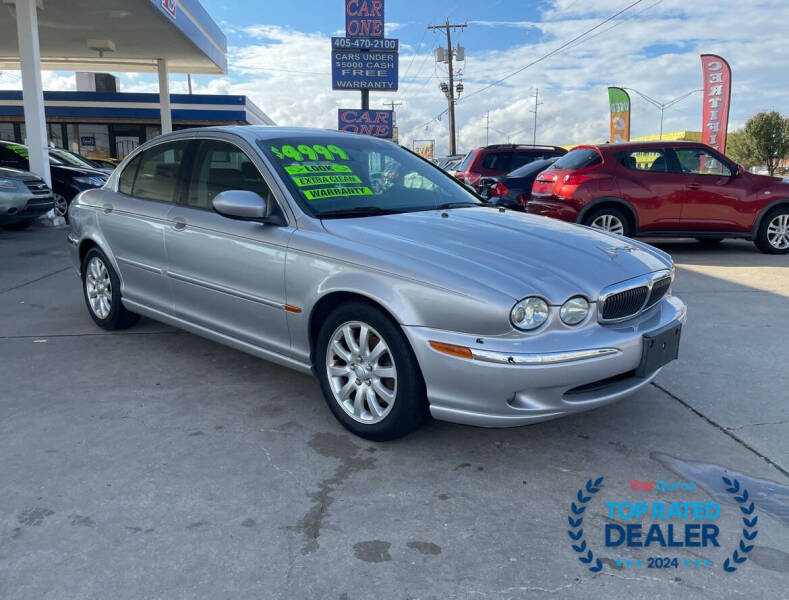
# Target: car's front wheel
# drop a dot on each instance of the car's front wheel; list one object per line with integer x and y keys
{"x": 609, "y": 219}
{"x": 773, "y": 234}
{"x": 61, "y": 206}
{"x": 102, "y": 291}
{"x": 369, "y": 374}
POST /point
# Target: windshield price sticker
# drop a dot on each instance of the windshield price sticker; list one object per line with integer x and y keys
{"x": 315, "y": 169}
{"x": 313, "y": 152}
{"x": 316, "y": 180}
{"x": 321, "y": 193}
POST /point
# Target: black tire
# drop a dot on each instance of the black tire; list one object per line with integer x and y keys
{"x": 19, "y": 225}
{"x": 60, "y": 198}
{"x": 628, "y": 228}
{"x": 117, "y": 317}
{"x": 409, "y": 408}
{"x": 709, "y": 242}
{"x": 762, "y": 241}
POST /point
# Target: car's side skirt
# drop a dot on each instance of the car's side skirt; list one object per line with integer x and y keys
{"x": 216, "y": 336}
{"x": 695, "y": 234}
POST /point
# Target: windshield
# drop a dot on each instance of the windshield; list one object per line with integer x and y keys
{"x": 353, "y": 176}
{"x": 71, "y": 158}
{"x": 579, "y": 158}
{"x": 532, "y": 167}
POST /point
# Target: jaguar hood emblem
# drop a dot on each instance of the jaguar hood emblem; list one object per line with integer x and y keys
{"x": 613, "y": 251}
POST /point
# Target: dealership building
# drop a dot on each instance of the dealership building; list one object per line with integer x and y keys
{"x": 111, "y": 124}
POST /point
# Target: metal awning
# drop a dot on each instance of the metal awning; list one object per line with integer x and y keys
{"x": 77, "y": 35}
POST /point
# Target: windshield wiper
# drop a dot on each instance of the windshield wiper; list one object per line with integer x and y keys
{"x": 356, "y": 211}
{"x": 448, "y": 205}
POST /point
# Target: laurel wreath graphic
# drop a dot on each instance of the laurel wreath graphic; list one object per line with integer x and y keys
{"x": 749, "y": 532}
{"x": 576, "y": 533}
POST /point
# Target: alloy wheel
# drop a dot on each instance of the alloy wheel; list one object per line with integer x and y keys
{"x": 778, "y": 232}
{"x": 610, "y": 223}
{"x": 361, "y": 372}
{"x": 98, "y": 287}
{"x": 61, "y": 205}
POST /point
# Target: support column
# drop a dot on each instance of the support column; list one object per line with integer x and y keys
{"x": 164, "y": 97}
{"x": 32, "y": 90}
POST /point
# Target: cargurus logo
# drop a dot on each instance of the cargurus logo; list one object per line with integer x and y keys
{"x": 663, "y": 533}
{"x": 661, "y": 485}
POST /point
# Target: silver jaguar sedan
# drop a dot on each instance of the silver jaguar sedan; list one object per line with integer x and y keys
{"x": 353, "y": 259}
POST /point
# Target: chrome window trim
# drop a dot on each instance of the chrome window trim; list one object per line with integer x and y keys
{"x": 647, "y": 281}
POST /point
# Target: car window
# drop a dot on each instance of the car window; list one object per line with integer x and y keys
{"x": 13, "y": 155}
{"x": 126, "y": 180}
{"x": 157, "y": 175}
{"x": 341, "y": 176}
{"x": 697, "y": 161}
{"x": 464, "y": 165}
{"x": 497, "y": 161}
{"x": 220, "y": 166}
{"x": 533, "y": 167}
{"x": 580, "y": 158}
{"x": 644, "y": 160}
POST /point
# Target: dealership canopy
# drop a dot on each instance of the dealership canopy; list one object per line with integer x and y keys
{"x": 110, "y": 35}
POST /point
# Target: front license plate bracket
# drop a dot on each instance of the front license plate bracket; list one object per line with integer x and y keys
{"x": 659, "y": 349}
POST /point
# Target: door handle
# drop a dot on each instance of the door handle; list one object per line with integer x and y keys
{"x": 179, "y": 223}
{"x": 107, "y": 209}
{"x": 694, "y": 186}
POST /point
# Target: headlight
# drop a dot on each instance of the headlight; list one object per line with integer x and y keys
{"x": 93, "y": 180}
{"x": 529, "y": 313}
{"x": 574, "y": 311}
{"x": 7, "y": 184}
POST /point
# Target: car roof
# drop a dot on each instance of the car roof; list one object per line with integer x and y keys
{"x": 621, "y": 146}
{"x": 266, "y": 132}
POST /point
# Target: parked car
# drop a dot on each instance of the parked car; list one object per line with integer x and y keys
{"x": 445, "y": 161}
{"x": 23, "y": 198}
{"x": 67, "y": 181}
{"x": 499, "y": 159}
{"x": 513, "y": 190}
{"x": 674, "y": 189}
{"x": 416, "y": 297}
{"x": 73, "y": 159}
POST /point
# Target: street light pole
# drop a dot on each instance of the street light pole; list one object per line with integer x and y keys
{"x": 662, "y": 105}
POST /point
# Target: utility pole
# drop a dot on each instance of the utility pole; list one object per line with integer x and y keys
{"x": 662, "y": 106}
{"x": 536, "y": 104}
{"x": 391, "y": 106}
{"x": 450, "y": 93}
{"x": 487, "y": 128}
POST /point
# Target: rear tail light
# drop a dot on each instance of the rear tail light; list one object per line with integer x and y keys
{"x": 460, "y": 176}
{"x": 575, "y": 179}
{"x": 500, "y": 190}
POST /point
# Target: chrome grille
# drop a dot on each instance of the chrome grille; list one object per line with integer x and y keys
{"x": 630, "y": 298}
{"x": 38, "y": 187}
{"x": 659, "y": 289}
{"x": 625, "y": 304}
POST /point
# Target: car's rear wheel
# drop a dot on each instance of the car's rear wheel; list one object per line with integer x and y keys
{"x": 610, "y": 219}
{"x": 773, "y": 234}
{"x": 369, "y": 374}
{"x": 101, "y": 288}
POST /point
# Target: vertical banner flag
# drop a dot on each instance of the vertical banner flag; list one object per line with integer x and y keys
{"x": 619, "y": 101}
{"x": 717, "y": 94}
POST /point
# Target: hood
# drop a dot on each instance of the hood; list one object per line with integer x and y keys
{"x": 77, "y": 171}
{"x": 8, "y": 173}
{"x": 512, "y": 253}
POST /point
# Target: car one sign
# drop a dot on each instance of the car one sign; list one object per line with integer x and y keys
{"x": 364, "y": 18}
{"x": 377, "y": 123}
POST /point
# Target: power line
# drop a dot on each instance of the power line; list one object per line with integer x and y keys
{"x": 556, "y": 50}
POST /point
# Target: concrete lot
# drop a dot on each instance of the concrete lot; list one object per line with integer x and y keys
{"x": 155, "y": 464}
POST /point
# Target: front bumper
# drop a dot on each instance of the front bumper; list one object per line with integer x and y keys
{"x": 550, "y": 375}
{"x": 16, "y": 207}
{"x": 551, "y": 208}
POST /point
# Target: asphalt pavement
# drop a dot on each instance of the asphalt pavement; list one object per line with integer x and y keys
{"x": 152, "y": 463}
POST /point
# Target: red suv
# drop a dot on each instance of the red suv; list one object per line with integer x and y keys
{"x": 500, "y": 159}
{"x": 676, "y": 189}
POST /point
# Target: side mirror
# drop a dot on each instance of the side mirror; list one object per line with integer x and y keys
{"x": 740, "y": 171}
{"x": 240, "y": 204}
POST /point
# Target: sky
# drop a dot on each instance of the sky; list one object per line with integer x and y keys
{"x": 279, "y": 56}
